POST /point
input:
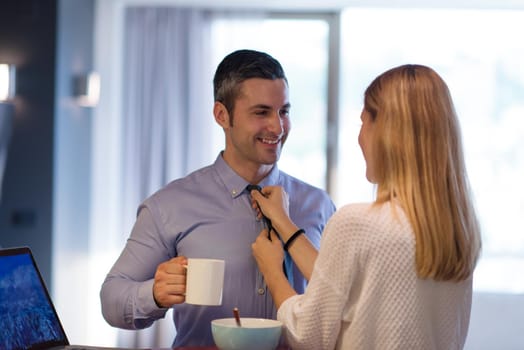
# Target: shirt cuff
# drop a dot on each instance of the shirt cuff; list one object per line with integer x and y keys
{"x": 146, "y": 303}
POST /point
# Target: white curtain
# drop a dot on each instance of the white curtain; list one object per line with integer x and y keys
{"x": 166, "y": 116}
{"x": 167, "y": 99}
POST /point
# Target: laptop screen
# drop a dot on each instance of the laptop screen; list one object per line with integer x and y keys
{"x": 28, "y": 319}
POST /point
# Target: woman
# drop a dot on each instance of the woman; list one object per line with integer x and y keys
{"x": 395, "y": 273}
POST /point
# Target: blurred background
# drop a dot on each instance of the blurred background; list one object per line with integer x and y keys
{"x": 74, "y": 166}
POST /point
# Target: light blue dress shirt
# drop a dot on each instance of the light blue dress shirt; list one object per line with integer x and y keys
{"x": 206, "y": 214}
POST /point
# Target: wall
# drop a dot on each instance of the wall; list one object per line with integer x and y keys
{"x": 72, "y": 172}
{"x": 6, "y": 125}
{"x": 27, "y": 39}
{"x": 497, "y": 322}
{"x": 45, "y": 202}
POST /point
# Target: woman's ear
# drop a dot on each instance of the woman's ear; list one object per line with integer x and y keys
{"x": 221, "y": 115}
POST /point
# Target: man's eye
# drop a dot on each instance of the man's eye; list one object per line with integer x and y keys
{"x": 261, "y": 112}
{"x": 284, "y": 112}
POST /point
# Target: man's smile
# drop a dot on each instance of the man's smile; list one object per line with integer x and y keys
{"x": 270, "y": 141}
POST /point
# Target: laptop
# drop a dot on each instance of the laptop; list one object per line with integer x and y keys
{"x": 28, "y": 319}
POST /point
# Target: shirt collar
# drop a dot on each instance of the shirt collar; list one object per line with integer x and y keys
{"x": 234, "y": 183}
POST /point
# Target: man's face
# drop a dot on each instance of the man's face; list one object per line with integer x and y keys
{"x": 260, "y": 125}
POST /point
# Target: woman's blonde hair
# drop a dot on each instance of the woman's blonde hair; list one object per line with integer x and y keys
{"x": 419, "y": 161}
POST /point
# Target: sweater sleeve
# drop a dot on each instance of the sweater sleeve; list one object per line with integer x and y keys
{"x": 313, "y": 320}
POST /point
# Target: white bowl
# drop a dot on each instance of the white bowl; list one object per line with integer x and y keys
{"x": 255, "y": 333}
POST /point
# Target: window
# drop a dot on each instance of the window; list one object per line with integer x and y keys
{"x": 479, "y": 55}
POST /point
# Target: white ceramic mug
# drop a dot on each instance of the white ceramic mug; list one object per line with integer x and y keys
{"x": 205, "y": 281}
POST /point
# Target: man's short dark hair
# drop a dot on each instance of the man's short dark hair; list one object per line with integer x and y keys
{"x": 241, "y": 65}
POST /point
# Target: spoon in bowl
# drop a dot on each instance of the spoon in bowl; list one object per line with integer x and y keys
{"x": 237, "y": 316}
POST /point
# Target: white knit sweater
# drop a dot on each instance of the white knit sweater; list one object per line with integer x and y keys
{"x": 364, "y": 292}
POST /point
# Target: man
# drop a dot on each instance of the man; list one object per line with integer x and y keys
{"x": 208, "y": 214}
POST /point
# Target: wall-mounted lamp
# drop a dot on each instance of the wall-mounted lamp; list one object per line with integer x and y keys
{"x": 7, "y": 82}
{"x": 87, "y": 89}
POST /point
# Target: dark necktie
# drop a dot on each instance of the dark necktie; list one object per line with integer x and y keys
{"x": 269, "y": 226}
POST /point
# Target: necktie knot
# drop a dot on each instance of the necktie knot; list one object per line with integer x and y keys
{"x": 250, "y": 188}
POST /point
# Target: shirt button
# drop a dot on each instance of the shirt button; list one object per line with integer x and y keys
{"x": 261, "y": 291}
